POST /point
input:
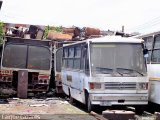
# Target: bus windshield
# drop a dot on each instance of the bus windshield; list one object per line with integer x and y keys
{"x": 26, "y": 57}
{"x": 118, "y": 59}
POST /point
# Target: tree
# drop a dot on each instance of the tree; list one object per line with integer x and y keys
{"x": 1, "y": 32}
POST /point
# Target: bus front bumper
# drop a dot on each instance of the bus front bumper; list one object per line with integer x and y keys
{"x": 119, "y": 99}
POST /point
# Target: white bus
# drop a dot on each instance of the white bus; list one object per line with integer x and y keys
{"x": 58, "y": 51}
{"x": 105, "y": 71}
{"x": 152, "y": 43}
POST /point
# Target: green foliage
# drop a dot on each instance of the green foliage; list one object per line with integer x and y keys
{"x": 46, "y": 31}
{"x": 58, "y": 29}
{"x": 50, "y": 28}
{"x": 1, "y": 32}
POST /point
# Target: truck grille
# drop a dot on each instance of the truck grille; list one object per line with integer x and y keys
{"x": 120, "y": 86}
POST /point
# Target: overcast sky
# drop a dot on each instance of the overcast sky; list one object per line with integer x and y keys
{"x": 135, "y": 15}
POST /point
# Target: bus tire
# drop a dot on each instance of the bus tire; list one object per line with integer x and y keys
{"x": 89, "y": 105}
{"x": 139, "y": 109}
{"x": 71, "y": 99}
{"x": 88, "y": 102}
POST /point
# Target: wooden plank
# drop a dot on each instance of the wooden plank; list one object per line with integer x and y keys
{"x": 58, "y": 36}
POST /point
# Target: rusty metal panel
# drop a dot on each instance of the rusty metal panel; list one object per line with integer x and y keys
{"x": 22, "y": 84}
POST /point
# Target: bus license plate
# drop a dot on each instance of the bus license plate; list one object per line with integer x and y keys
{"x": 105, "y": 103}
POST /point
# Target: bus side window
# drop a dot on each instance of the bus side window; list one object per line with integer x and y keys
{"x": 86, "y": 60}
{"x": 65, "y": 63}
{"x": 71, "y": 52}
{"x": 65, "y": 53}
{"x": 148, "y": 43}
{"x": 156, "y": 50}
{"x": 65, "y": 56}
{"x": 58, "y": 60}
{"x": 83, "y": 58}
{"x": 70, "y": 63}
{"x": 77, "y": 57}
{"x": 71, "y": 57}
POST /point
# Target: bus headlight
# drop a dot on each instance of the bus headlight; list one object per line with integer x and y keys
{"x": 95, "y": 85}
{"x": 143, "y": 86}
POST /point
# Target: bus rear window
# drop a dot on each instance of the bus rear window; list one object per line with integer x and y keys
{"x": 26, "y": 57}
{"x": 38, "y": 58}
{"x": 15, "y": 56}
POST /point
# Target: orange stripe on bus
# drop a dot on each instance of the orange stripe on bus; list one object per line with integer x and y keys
{"x": 154, "y": 78}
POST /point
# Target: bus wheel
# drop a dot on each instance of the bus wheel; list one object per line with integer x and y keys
{"x": 89, "y": 105}
{"x": 139, "y": 109}
{"x": 71, "y": 99}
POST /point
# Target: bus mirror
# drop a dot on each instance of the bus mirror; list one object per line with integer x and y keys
{"x": 145, "y": 52}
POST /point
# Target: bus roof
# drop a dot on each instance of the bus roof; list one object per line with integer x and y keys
{"x": 110, "y": 39}
{"x": 27, "y": 41}
{"x": 14, "y": 38}
{"x": 116, "y": 39}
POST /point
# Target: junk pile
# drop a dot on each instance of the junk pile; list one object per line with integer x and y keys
{"x": 73, "y": 34}
{"x": 57, "y": 33}
{"x": 78, "y": 34}
{"x": 24, "y": 31}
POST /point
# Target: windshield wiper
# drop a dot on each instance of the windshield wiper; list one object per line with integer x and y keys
{"x": 107, "y": 70}
{"x": 104, "y": 70}
{"x": 139, "y": 72}
{"x": 119, "y": 73}
{"x": 131, "y": 70}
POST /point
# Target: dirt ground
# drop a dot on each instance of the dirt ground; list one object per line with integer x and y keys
{"x": 46, "y": 109}
{"x": 42, "y": 109}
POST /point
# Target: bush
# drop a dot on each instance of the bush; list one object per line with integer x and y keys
{"x": 52, "y": 28}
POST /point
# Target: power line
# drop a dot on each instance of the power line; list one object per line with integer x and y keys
{"x": 149, "y": 23}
